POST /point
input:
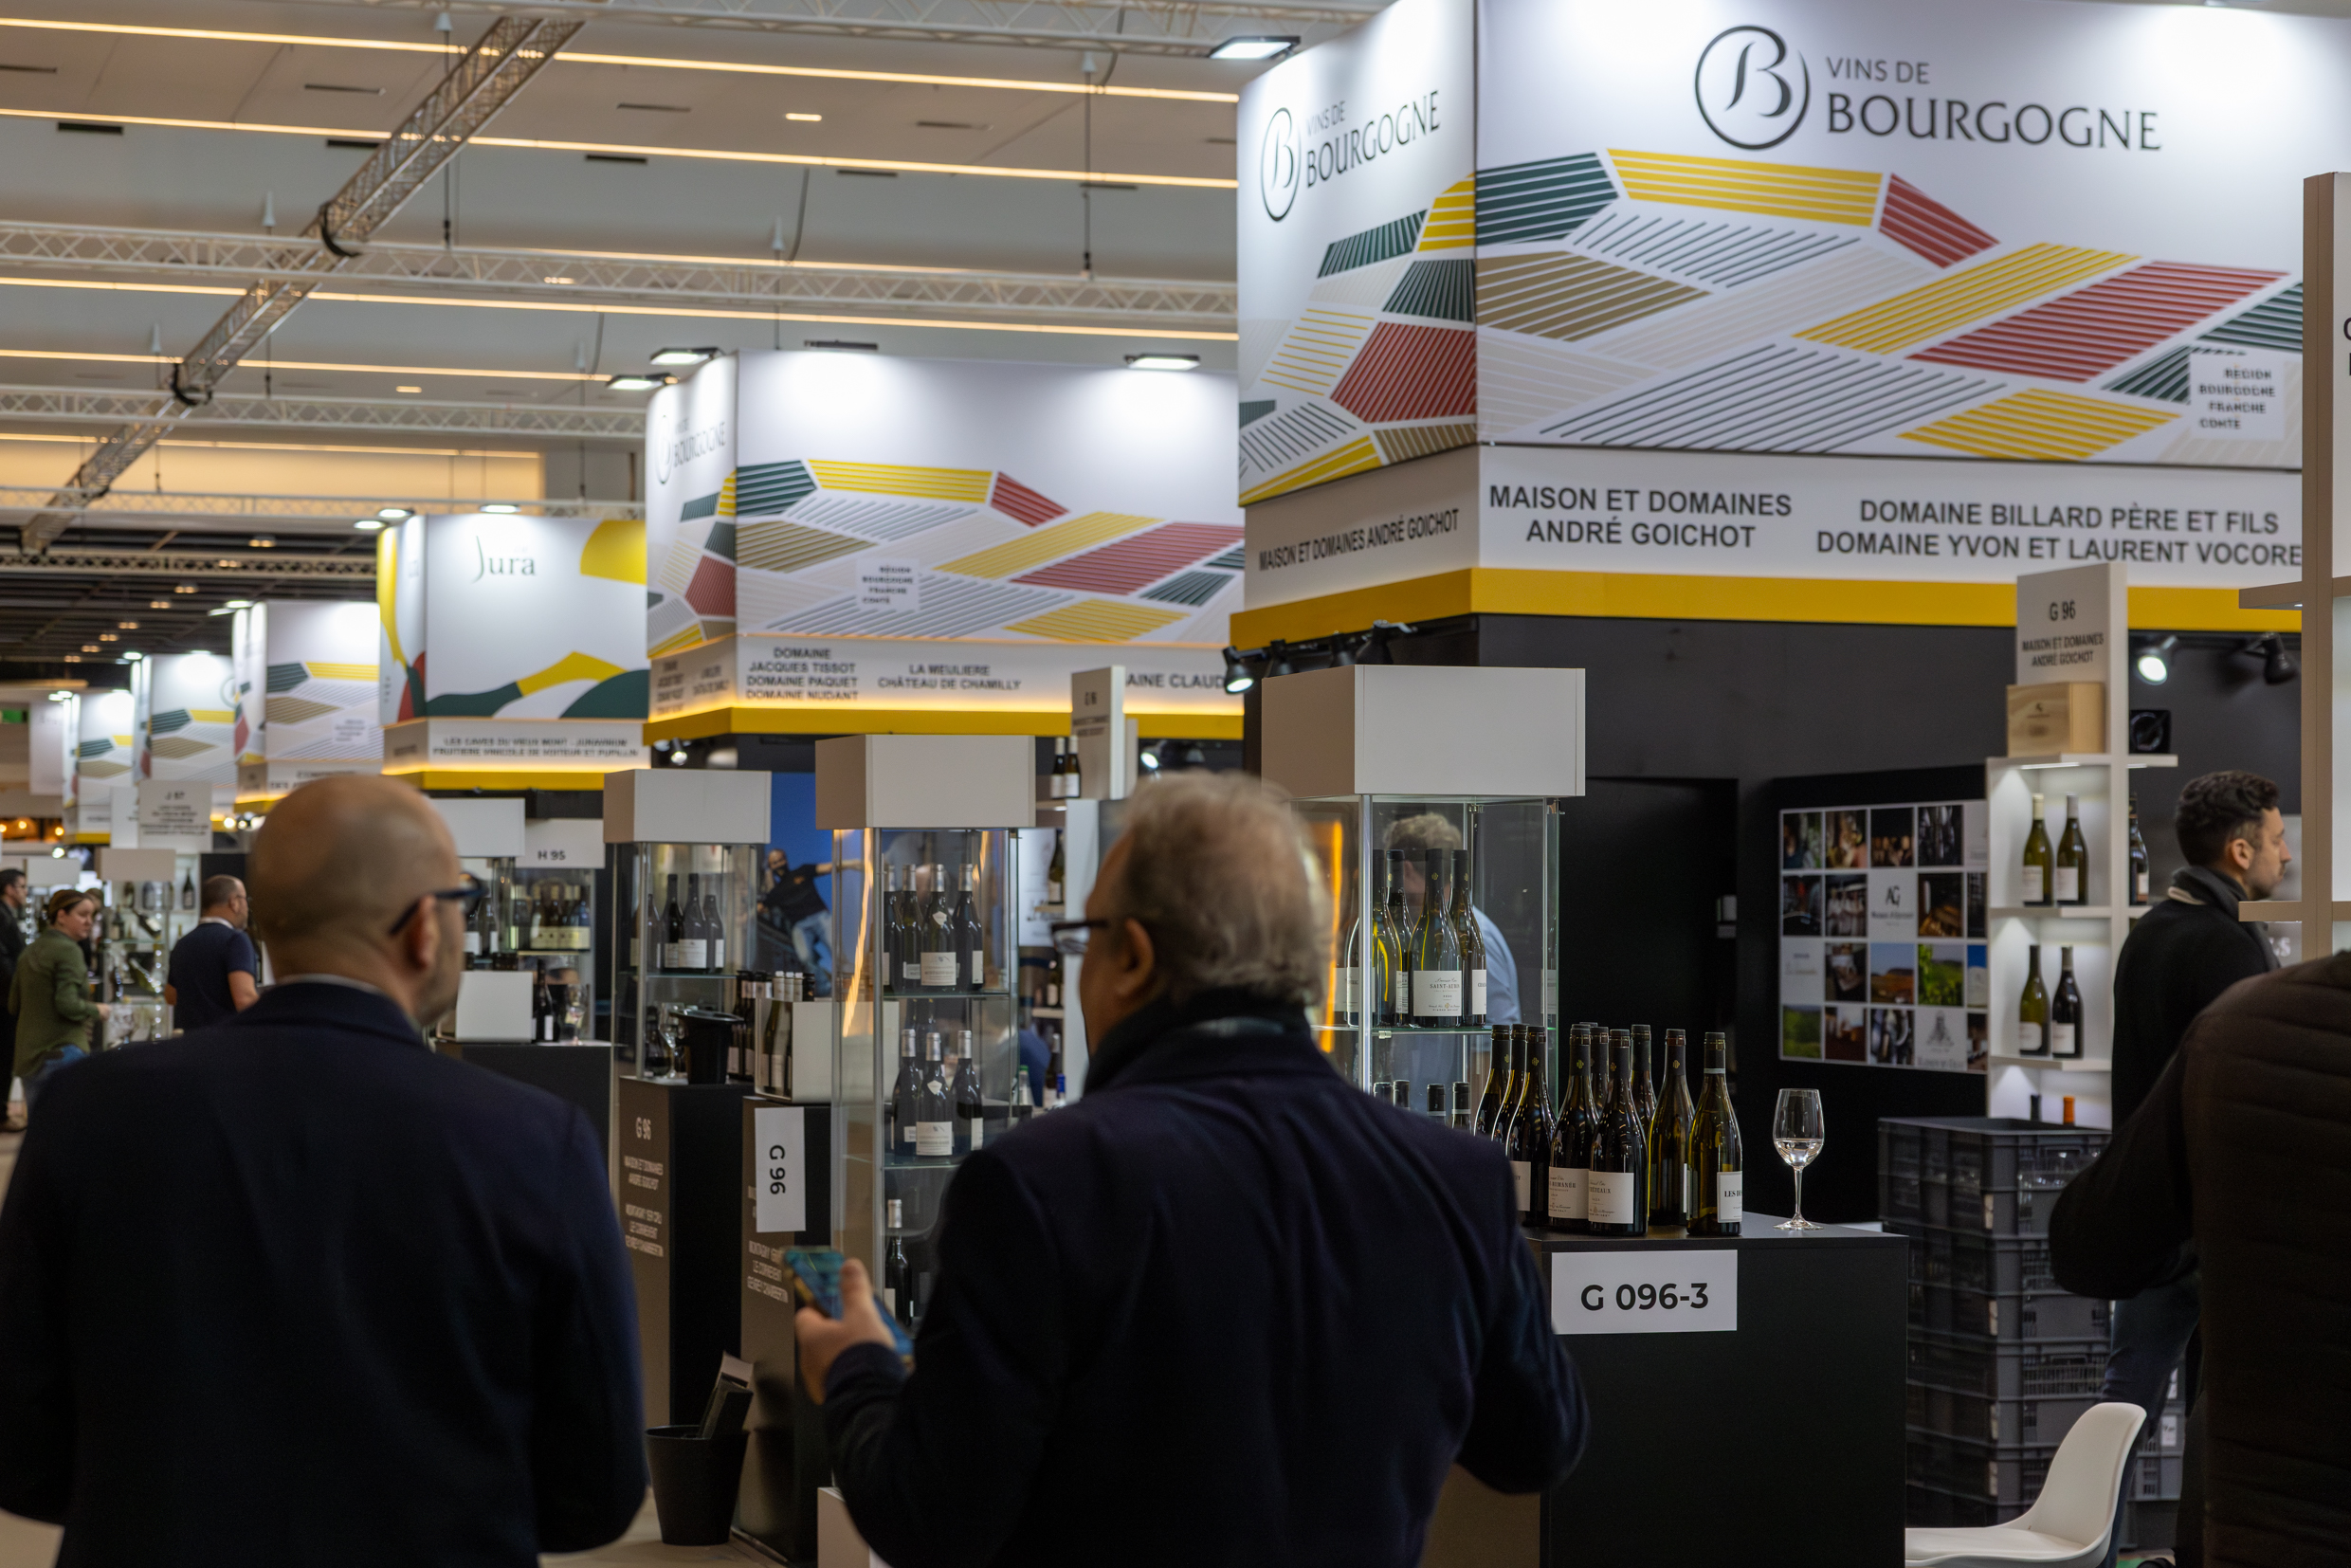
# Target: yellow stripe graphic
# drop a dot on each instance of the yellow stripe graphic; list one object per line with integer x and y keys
{"x": 1453, "y": 218}
{"x": 1315, "y": 352}
{"x": 726, "y": 495}
{"x": 320, "y": 670}
{"x": 2059, "y": 426}
{"x": 1097, "y": 621}
{"x": 1893, "y": 325}
{"x": 572, "y": 667}
{"x": 1355, "y": 457}
{"x": 1737, "y": 185}
{"x": 888, "y": 480}
{"x": 1044, "y": 544}
{"x": 690, "y": 637}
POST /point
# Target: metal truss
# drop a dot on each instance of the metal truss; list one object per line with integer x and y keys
{"x": 484, "y": 81}
{"x": 1140, "y": 303}
{"x": 1186, "y": 27}
{"x": 147, "y": 508}
{"x": 407, "y": 416}
{"x": 186, "y": 564}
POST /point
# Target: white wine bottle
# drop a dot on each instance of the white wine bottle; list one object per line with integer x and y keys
{"x": 1396, "y": 1006}
{"x": 713, "y": 932}
{"x": 905, "y": 1095}
{"x": 1436, "y": 965}
{"x": 2137, "y": 857}
{"x": 1614, "y": 1204}
{"x": 1716, "y": 1173}
{"x": 2072, "y": 857}
{"x": 1532, "y": 1133}
{"x": 2037, "y": 884}
{"x": 1472, "y": 945}
{"x": 2033, "y": 1010}
{"x": 934, "y": 1116}
{"x": 1670, "y": 1139}
{"x": 1502, "y": 1082}
{"x": 1571, "y": 1142}
{"x": 935, "y": 967}
{"x": 671, "y": 934}
{"x": 2065, "y": 1010}
{"x": 970, "y": 1108}
{"x": 1347, "y": 963}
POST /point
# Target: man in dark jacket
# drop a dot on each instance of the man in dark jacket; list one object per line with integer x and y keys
{"x": 2243, "y": 1151}
{"x": 12, "y": 895}
{"x": 1225, "y": 1309}
{"x": 2180, "y": 956}
{"x": 299, "y": 1289}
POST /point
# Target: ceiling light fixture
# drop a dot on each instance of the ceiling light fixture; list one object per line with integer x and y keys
{"x": 407, "y": 388}
{"x": 184, "y": 587}
{"x": 395, "y": 514}
{"x": 2277, "y": 665}
{"x": 1267, "y": 47}
{"x": 263, "y": 542}
{"x": 558, "y": 279}
{"x": 132, "y": 656}
{"x": 126, "y": 625}
{"x": 367, "y": 525}
{"x": 1238, "y": 677}
{"x": 2154, "y": 661}
{"x": 504, "y": 508}
{"x": 635, "y": 383}
{"x": 806, "y": 119}
{"x": 683, "y": 356}
{"x": 1163, "y": 361}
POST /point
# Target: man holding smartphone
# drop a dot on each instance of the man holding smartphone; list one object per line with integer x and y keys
{"x": 1225, "y": 1309}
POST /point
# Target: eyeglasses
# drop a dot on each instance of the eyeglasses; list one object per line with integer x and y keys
{"x": 470, "y": 895}
{"x": 1070, "y": 936}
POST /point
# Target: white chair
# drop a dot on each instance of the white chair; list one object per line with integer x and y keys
{"x": 2066, "y": 1525}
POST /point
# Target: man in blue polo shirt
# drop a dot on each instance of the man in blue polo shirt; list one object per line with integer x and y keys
{"x": 212, "y": 966}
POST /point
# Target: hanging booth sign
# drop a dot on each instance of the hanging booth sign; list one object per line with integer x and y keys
{"x": 307, "y": 678}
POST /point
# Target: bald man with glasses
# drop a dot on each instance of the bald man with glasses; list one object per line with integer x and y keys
{"x": 296, "y": 1289}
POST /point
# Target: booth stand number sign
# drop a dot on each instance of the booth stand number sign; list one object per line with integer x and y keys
{"x": 1646, "y": 1290}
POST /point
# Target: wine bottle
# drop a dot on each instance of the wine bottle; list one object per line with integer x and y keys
{"x": 1053, "y": 774}
{"x": 188, "y": 891}
{"x": 2038, "y": 883}
{"x": 970, "y": 939}
{"x": 714, "y": 931}
{"x": 905, "y": 1095}
{"x": 1571, "y": 1138}
{"x": 2065, "y": 1010}
{"x": 1073, "y": 780}
{"x": 1021, "y": 1104}
{"x": 2032, "y": 1009}
{"x": 672, "y": 933}
{"x": 1499, "y": 1075}
{"x": 1347, "y": 963}
{"x": 2137, "y": 857}
{"x": 1669, "y": 1140}
{"x": 1053, "y": 1078}
{"x": 934, "y": 1115}
{"x": 694, "y": 950}
{"x": 971, "y": 1108}
{"x": 1436, "y": 962}
{"x": 1376, "y": 995}
{"x": 1715, "y": 1174}
{"x": 910, "y": 930}
{"x": 2072, "y": 885}
{"x": 1614, "y": 1204}
{"x": 1464, "y": 1115}
{"x": 1472, "y": 945}
{"x": 1437, "y": 1111}
{"x": 897, "y": 1274}
{"x": 1532, "y": 1132}
{"x": 1643, "y": 1090}
{"x": 937, "y": 969}
{"x": 1057, "y": 873}
{"x": 582, "y": 923}
{"x": 1396, "y": 1008}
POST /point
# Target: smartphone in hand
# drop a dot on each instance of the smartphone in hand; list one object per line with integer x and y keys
{"x": 817, "y": 1281}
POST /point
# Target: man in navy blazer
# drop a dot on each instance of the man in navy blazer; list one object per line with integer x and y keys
{"x": 1226, "y": 1308}
{"x": 296, "y": 1290}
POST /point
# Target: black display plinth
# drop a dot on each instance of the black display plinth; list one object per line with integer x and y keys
{"x": 681, "y": 1169}
{"x": 1781, "y": 1442}
{"x": 580, "y": 1071}
{"x": 787, "y": 1159}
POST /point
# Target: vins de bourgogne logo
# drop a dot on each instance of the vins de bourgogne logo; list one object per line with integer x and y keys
{"x": 1278, "y": 166}
{"x": 1753, "y": 90}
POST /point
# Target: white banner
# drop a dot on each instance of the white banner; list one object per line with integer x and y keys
{"x": 599, "y": 744}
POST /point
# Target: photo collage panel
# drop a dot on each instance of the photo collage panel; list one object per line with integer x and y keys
{"x": 1883, "y": 954}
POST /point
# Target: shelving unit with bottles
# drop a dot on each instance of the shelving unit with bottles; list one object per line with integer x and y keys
{"x": 150, "y": 899}
{"x": 925, "y": 945}
{"x": 685, "y": 852}
{"x": 1352, "y": 746}
{"x": 2100, "y": 783}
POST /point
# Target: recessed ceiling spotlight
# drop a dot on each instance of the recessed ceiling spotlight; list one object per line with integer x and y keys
{"x": 184, "y": 587}
{"x": 841, "y": 345}
{"x": 127, "y": 626}
{"x": 132, "y": 656}
{"x": 683, "y": 356}
{"x": 109, "y": 637}
{"x": 158, "y": 604}
{"x": 1163, "y": 361}
{"x": 806, "y": 119}
{"x": 263, "y": 542}
{"x": 1267, "y": 47}
{"x": 557, "y": 280}
{"x": 407, "y": 388}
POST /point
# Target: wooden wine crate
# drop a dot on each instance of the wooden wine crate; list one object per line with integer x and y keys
{"x": 2063, "y": 715}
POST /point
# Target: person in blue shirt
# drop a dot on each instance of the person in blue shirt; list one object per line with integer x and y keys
{"x": 212, "y": 970}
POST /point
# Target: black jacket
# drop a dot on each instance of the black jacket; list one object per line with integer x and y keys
{"x": 1226, "y": 1309}
{"x": 2180, "y": 956}
{"x": 294, "y": 1289}
{"x": 11, "y": 949}
{"x": 2245, "y": 1148}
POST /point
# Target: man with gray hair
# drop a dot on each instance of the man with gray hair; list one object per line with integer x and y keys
{"x": 1226, "y": 1308}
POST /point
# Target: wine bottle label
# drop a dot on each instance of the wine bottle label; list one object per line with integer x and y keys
{"x": 1404, "y": 991}
{"x": 2138, "y": 884}
{"x": 1607, "y": 1197}
{"x": 972, "y": 1126}
{"x": 718, "y": 955}
{"x": 937, "y": 969}
{"x": 2033, "y": 885}
{"x": 473, "y": 943}
{"x": 1521, "y": 1181}
{"x": 2061, "y": 1039}
{"x": 1567, "y": 1192}
{"x": 933, "y": 1139}
{"x": 1729, "y": 1191}
{"x": 1437, "y": 992}
{"x": 1342, "y": 994}
{"x": 2069, "y": 884}
{"x": 910, "y": 973}
{"x": 1052, "y": 892}
{"x": 2028, "y": 1039}
{"x": 1477, "y": 994}
{"x": 693, "y": 953}
{"x": 978, "y": 971}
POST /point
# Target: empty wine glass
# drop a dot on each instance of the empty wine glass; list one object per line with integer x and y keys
{"x": 1797, "y": 1133}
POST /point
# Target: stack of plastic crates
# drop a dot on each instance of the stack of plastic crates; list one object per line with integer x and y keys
{"x": 2002, "y": 1362}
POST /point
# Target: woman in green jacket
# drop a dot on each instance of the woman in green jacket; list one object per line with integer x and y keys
{"x": 50, "y": 995}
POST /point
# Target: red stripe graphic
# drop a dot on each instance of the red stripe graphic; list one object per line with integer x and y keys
{"x": 2095, "y": 329}
{"x": 1016, "y": 501}
{"x": 1926, "y": 226}
{"x": 1412, "y": 372}
{"x": 1123, "y": 567}
{"x": 712, "y": 590}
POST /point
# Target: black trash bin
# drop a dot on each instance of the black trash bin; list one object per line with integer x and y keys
{"x": 694, "y": 1484}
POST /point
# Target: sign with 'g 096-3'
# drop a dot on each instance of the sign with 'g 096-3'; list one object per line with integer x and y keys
{"x": 1646, "y": 1290}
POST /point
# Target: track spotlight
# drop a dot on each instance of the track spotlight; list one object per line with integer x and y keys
{"x": 2154, "y": 661}
{"x": 1277, "y": 659}
{"x": 1238, "y": 677}
{"x": 2277, "y": 665}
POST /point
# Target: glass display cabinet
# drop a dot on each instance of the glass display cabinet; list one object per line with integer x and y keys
{"x": 684, "y": 851}
{"x": 1442, "y": 861}
{"x": 926, "y": 978}
{"x": 150, "y": 902}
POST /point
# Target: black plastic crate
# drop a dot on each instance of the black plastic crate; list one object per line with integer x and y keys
{"x": 1928, "y": 1507}
{"x": 1989, "y": 1472}
{"x": 1995, "y": 1175}
{"x": 2009, "y": 1319}
{"x": 2003, "y": 1266}
{"x": 1991, "y": 1370}
{"x": 2153, "y": 1478}
{"x": 1980, "y": 1420}
{"x": 2147, "y": 1526}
